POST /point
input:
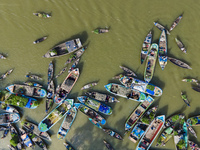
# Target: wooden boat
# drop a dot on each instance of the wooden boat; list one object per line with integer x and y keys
{"x": 2, "y": 56}
{"x": 73, "y": 66}
{"x": 6, "y": 74}
{"x": 27, "y": 90}
{"x": 191, "y": 130}
{"x": 75, "y": 55}
{"x": 38, "y": 141}
{"x": 151, "y": 132}
{"x": 64, "y": 48}
{"x": 7, "y": 118}
{"x": 96, "y": 105}
{"x": 120, "y": 90}
{"x": 193, "y": 145}
{"x": 40, "y": 40}
{"x": 102, "y": 97}
{"x": 31, "y": 127}
{"x": 33, "y": 76}
{"x": 113, "y": 134}
{"x": 162, "y": 50}
{"x": 161, "y": 27}
{"x": 179, "y": 63}
{"x": 196, "y": 89}
{"x": 108, "y": 145}
{"x": 66, "y": 124}
{"x": 66, "y": 86}
{"x": 190, "y": 80}
{"x": 8, "y": 108}
{"x": 50, "y": 95}
{"x": 15, "y": 141}
{"x": 42, "y": 15}
{"x": 184, "y": 98}
{"x": 142, "y": 86}
{"x": 61, "y": 72}
{"x": 87, "y": 86}
{"x": 90, "y": 113}
{"x": 194, "y": 121}
{"x": 151, "y": 62}
{"x": 95, "y": 123}
{"x": 22, "y": 101}
{"x": 29, "y": 83}
{"x": 142, "y": 124}
{"x": 67, "y": 146}
{"x": 175, "y": 23}
{"x": 55, "y": 115}
{"x": 173, "y": 119}
{"x": 25, "y": 138}
{"x": 146, "y": 47}
{"x": 128, "y": 71}
{"x": 181, "y": 137}
{"x": 165, "y": 136}
{"x": 50, "y": 72}
{"x": 101, "y": 30}
{"x": 137, "y": 113}
{"x": 181, "y": 46}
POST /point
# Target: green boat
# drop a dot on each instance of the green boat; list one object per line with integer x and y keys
{"x": 194, "y": 121}
{"x": 120, "y": 90}
{"x": 96, "y": 105}
{"x": 151, "y": 62}
{"x": 137, "y": 113}
{"x": 190, "y": 80}
{"x": 55, "y": 115}
{"x": 165, "y": 136}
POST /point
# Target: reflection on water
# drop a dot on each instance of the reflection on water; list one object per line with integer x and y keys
{"x": 129, "y": 23}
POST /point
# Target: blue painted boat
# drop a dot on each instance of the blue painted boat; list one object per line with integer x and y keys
{"x": 96, "y": 105}
{"x": 162, "y": 50}
{"x": 120, "y": 90}
{"x": 90, "y": 113}
{"x": 25, "y": 138}
{"x": 7, "y": 118}
{"x": 26, "y": 90}
{"x": 141, "y": 86}
{"x": 66, "y": 124}
{"x": 137, "y": 113}
{"x": 95, "y": 123}
{"x": 22, "y": 101}
{"x": 181, "y": 136}
{"x": 55, "y": 115}
{"x": 194, "y": 121}
{"x": 151, "y": 62}
{"x": 151, "y": 133}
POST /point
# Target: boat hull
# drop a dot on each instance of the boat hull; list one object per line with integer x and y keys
{"x": 146, "y": 47}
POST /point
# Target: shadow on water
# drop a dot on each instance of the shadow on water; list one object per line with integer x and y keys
{"x": 194, "y": 113}
{"x": 83, "y": 37}
{"x": 156, "y": 81}
{"x": 73, "y": 96}
{"x": 162, "y": 110}
{"x": 80, "y": 66}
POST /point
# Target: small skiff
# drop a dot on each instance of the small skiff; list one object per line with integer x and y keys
{"x": 40, "y": 40}
{"x": 6, "y": 74}
{"x": 101, "y": 30}
{"x": 161, "y": 27}
{"x": 113, "y": 134}
{"x": 87, "y": 86}
{"x": 7, "y": 118}
{"x": 175, "y": 23}
{"x": 50, "y": 95}
{"x": 181, "y": 46}
{"x": 146, "y": 47}
{"x": 42, "y": 15}
{"x": 128, "y": 71}
{"x": 179, "y": 63}
{"x": 67, "y": 146}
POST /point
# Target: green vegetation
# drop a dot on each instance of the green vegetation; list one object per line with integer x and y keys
{"x": 159, "y": 141}
{"x": 145, "y": 120}
{"x": 4, "y": 94}
{"x": 181, "y": 144}
{"x": 175, "y": 118}
{"x": 17, "y": 100}
{"x": 175, "y": 133}
{"x": 182, "y": 121}
{"x": 3, "y": 106}
{"x": 151, "y": 115}
{"x": 14, "y": 140}
{"x": 150, "y": 87}
{"x": 194, "y": 121}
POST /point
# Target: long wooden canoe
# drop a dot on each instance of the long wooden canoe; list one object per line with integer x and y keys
{"x": 146, "y": 47}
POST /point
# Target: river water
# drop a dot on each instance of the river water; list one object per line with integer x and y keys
{"x": 129, "y": 22}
